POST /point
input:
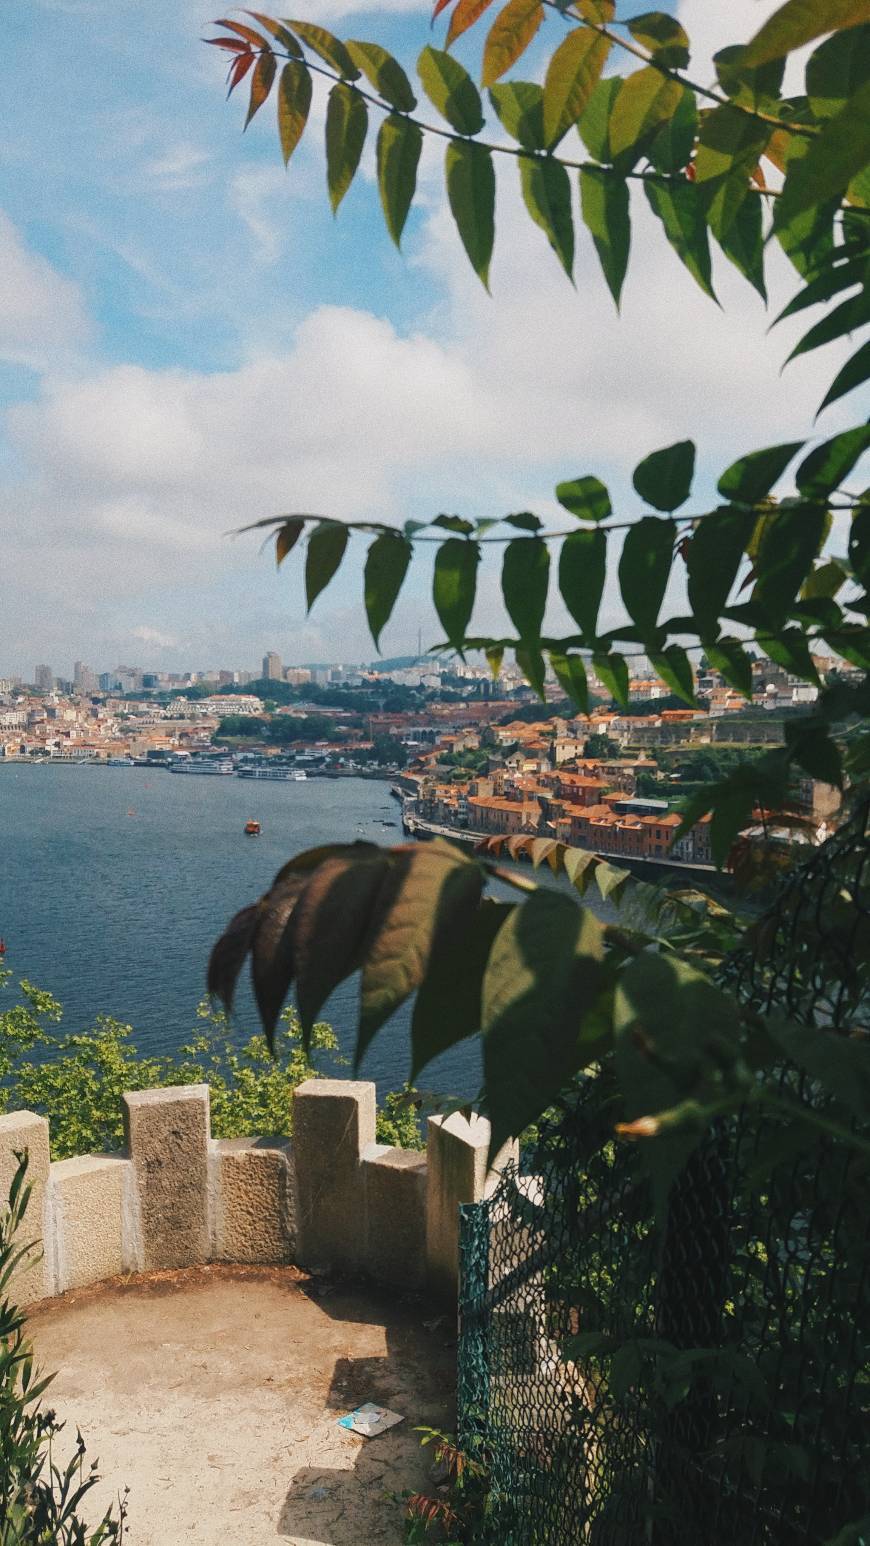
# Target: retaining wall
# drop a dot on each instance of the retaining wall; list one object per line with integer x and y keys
{"x": 331, "y": 1198}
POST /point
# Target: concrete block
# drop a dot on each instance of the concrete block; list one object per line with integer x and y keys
{"x": 21, "y": 1130}
{"x": 167, "y": 1140}
{"x": 395, "y": 1190}
{"x": 333, "y": 1123}
{"x": 457, "y": 1172}
{"x": 254, "y": 1207}
{"x": 91, "y": 1208}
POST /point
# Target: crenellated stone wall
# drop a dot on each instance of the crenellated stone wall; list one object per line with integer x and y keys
{"x": 331, "y": 1198}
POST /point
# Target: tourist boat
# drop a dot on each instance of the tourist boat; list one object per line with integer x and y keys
{"x": 252, "y": 829}
{"x": 214, "y": 766}
{"x": 279, "y": 775}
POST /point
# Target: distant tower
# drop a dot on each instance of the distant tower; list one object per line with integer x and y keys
{"x": 44, "y": 679}
{"x": 273, "y": 667}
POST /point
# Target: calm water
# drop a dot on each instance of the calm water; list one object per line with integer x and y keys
{"x": 114, "y": 882}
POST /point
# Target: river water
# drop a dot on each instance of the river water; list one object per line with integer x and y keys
{"x": 114, "y": 883}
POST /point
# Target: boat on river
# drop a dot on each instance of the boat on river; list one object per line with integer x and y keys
{"x": 252, "y": 829}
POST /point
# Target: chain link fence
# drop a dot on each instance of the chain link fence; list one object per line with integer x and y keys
{"x": 704, "y": 1383}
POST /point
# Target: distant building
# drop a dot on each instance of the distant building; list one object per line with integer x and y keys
{"x": 84, "y": 679}
{"x": 273, "y": 667}
{"x": 297, "y": 676}
{"x": 44, "y": 679}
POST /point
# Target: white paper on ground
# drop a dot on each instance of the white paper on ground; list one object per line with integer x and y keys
{"x": 369, "y": 1420}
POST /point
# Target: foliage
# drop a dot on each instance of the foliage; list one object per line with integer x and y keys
{"x": 386, "y": 751}
{"x": 39, "y": 1496}
{"x": 78, "y": 1080}
{"x": 456, "y": 1515}
{"x": 281, "y": 731}
{"x": 553, "y": 991}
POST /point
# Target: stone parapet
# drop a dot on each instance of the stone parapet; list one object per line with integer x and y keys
{"x": 332, "y": 1199}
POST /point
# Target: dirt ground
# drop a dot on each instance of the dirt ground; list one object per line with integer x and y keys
{"x": 213, "y": 1395}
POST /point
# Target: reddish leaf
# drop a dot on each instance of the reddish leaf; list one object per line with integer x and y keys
{"x": 239, "y": 70}
{"x": 440, "y": 5}
{"x": 247, "y": 33}
{"x": 228, "y": 955}
{"x": 261, "y": 83}
{"x": 466, "y": 14}
{"x": 231, "y": 43}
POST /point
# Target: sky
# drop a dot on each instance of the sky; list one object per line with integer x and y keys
{"x": 189, "y": 342}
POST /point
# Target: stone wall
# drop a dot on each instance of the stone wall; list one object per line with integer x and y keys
{"x": 330, "y": 1199}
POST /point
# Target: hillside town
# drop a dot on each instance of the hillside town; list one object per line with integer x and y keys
{"x": 469, "y": 755}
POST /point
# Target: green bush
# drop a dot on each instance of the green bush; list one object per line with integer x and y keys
{"x": 77, "y": 1080}
{"x": 39, "y": 1497}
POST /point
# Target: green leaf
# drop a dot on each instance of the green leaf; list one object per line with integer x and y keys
{"x": 547, "y": 196}
{"x": 540, "y": 994}
{"x": 425, "y": 885}
{"x": 328, "y": 48}
{"x": 828, "y": 464}
{"x": 509, "y": 37}
{"x": 451, "y": 90}
{"x": 572, "y": 74}
{"x": 672, "y": 144}
{"x": 681, "y": 211}
{"x": 824, "y": 580}
{"x": 346, "y": 124}
{"x": 570, "y": 673}
{"x": 531, "y": 662}
{"x": 666, "y": 40}
{"x": 729, "y": 147}
{"x": 644, "y": 100}
{"x": 859, "y": 544}
{"x": 836, "y": 70}
{"x": 524, "y": 580}
{"x": 644, "y": 570}
{"x": 594, "y": 123}
{"x": 582, "y": 566}
{"x": 524, "y": 521}
{"x": 664, "y": 479}
{"x": 612, "y": 670}
{"x": 385, "y": 73}
{"x": 790, "y": 649}
{"x": 326, "y": 547}
{"x": 790, "y": 540}
{"x": 838, "y": 154}
{"x": 852, "y": 313}
{"x": 731, "y": 660}
{"x": 261, "y": 83}
{"x": 677, "y": 1037}
{"x": 854, "y": 373}
{"x": 675, "y": 668}
{"x": 832, "y": 279}
{"x": 743, "y": 243}
{"x": 387, "y": 563}
{"x": 811, "y": 747}
{"x": 453, "y": 523}
{"x": 278, "y": 32}
{"x": 798, "y": 22}
{"x": 587, "y": 498}
{"x": 751, "y": 478}
{"x": 713, "y": 558}
{"x": 753, "y": 88}
{"x": 398, "y": 154}
{"x": 520, "y": 109}
{"x": 840, "y": 1064}
{"x": 294, "y": 102}
{"x": 471, "y": 192}
{"x": 605, "y": 207}
{"x": 448, "y": 1006}
{"x": 454, "y": 585}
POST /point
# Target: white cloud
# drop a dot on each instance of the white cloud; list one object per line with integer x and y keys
{"x": 42, "y": 315}
{"x": 176, "y": 169}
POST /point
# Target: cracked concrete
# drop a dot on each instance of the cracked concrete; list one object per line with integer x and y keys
{"x": 213, "y": 1393}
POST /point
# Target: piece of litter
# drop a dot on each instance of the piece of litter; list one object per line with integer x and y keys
{"x": 434, "y": 1324}
{"x": 317, "y": 1494}
{"x": 369, "y": 1420}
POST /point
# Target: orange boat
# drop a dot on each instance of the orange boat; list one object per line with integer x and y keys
{"x": 252, "y": 829}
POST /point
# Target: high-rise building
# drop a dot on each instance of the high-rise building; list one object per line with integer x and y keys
{"x": 297, "y": 676}
{"x": 84, "y": 679}
{"x": 44, "y": 679}
{"x": 273, "y": 668}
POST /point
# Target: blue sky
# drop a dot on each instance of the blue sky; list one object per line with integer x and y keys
{"x": 189, "y": 341}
